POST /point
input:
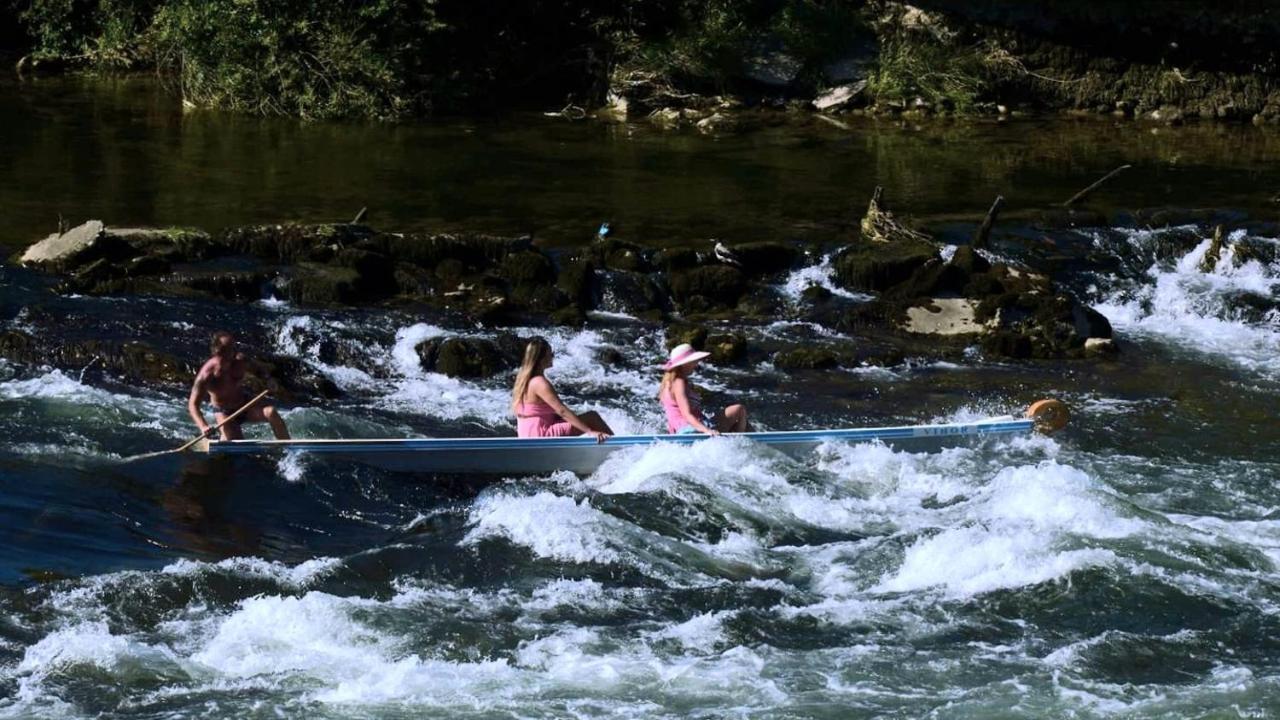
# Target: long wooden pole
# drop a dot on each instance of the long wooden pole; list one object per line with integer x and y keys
{"x": 1081, "y": 195}
{"x": 205, "y": 434}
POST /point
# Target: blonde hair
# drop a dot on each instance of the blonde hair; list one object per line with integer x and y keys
{"x": 669, "y": 377}
{"x": 534, "y": 352}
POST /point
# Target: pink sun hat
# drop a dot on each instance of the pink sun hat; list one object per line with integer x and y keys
{"x": 683, "y": 354}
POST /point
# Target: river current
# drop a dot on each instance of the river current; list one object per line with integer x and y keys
{"x": 1128, "y": 566}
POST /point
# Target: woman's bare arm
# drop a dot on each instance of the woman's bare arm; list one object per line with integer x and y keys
{"x": 543, "y": 390}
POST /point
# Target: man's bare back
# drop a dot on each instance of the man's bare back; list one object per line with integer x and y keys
{"x": 220, "y": 380}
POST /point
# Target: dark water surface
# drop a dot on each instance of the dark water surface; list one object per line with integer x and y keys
{"x": 1129, "y": 566}
{"x": 124, "y": 152}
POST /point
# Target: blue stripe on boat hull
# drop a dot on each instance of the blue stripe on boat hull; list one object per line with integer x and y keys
{"x": 583, "y": 455}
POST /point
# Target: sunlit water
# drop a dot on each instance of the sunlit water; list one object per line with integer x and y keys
{"x": 1127, "y": 566}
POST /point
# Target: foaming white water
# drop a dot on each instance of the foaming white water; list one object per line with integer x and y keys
{"x": 821, "y": 275}
{"x": 299, "y": 336}
{"x": 63, "y": 406}
{"x": 1188, "y": 307}
{"x": 549, "y": 525}
{"x": 404, "y": 353}
{"x": 1024, "y": 528}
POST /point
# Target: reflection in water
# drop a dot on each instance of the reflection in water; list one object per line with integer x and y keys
{"x": 202, "y": 515}
{"x": 123, "y": 151}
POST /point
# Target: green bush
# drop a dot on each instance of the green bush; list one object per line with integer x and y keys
{"x": 325, "y": 59}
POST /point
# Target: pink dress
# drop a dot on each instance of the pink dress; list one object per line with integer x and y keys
{"x": 537, "y": 419}
{"x": 675, "y": 419}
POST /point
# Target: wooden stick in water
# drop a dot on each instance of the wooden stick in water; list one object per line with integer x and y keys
{"x": 206, "y": 434}
{"x": 1083, "y": 193}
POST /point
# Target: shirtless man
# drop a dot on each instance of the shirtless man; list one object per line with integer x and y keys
{"x": 219, "y": 380}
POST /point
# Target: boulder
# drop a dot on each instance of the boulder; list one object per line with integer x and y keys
{"x": 577, "y": 281}
{"x": 474, "y": 252}
{"x": 242, "y": 285}
{"x": 632, "y": 293}
{"x": 717, "y": 122}
{"x": 1039, "y": 325}
{"x": 77, "y": 247}
{"x": 317, "y": 284}
{"x": 773, "y": 67}
{"x": 172, "y": 245}
{"x": 839, "y": 97}
{"x": 944, "y": 316}
{"x": 878, "y": 266}
{"x": 969, "y": 260}
{"x": 463, "y": 357}
{"x": 1100, "y": 347}
{"x": 680, "y": 333}
{"x": 805, "y": 359}
{"x": 713, "y": 286}
{"x": 726, "y": 348}
{"x": 677, "y": 258}
{"x": 613, "y": 254}
{"x": 527, "y": 267}
{"x": 290, "y": 242}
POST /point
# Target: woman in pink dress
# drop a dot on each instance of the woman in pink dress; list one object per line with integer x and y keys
{"x": 539, "y": 411}
{"x": 682, "y": 403}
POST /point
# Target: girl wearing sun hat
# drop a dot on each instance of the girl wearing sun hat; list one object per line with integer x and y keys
{"x": 683, "y": 404}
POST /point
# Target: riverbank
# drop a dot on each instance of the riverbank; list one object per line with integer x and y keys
{"x": 684, "y": 62}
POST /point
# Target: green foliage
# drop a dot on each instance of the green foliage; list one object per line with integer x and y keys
{"x": 103, "y": 33}
{"x": 693, "y": 43}
{"x": 394, "y": 58}
{"x": 943, "y": 75}
{"x": 325, "y": 59}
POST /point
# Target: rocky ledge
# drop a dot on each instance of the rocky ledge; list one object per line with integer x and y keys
{"x": 925, "y": 298}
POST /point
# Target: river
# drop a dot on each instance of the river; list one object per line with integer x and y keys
{"x": 1128, "y": 566}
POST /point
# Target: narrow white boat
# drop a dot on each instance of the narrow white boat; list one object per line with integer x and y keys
{"x": 582, "y": 455}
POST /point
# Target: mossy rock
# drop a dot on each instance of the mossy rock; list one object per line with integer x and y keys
{"x": 289, "y": 242}
{"x": 537, "y": 298}
{"x": 577, "y": 281}
{"x": 877, "y": 267}
{"x": 463, "y": 357}
{"x": 569, "y": 316}
{"x": 673, "y": 259}
{"x": 527, "y": 267}
{"x": 805, "y": 359}
{"x": 475, "y": 252}
{"x": 316, "y": 284}
{"x": 815, "y": 294}
{"x": 614, "y": 254}
{"x": 726, "y": 348}
{"x": 933, "y": 279}
{"x": 716, "y": 286}
{"x": 678, "y": 333}
{"x": 240, "y": 285}
{"x": 631, "y": 292}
